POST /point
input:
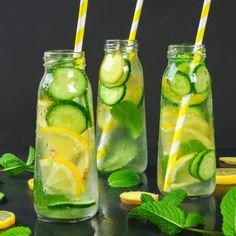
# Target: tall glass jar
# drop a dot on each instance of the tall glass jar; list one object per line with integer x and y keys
{"x": 66, "y": 185}
{"x": 121, "y": 125}
{"x": 187, "y": 162}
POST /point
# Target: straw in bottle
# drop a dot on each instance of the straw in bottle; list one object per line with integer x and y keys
{"x": 186, "y": 99}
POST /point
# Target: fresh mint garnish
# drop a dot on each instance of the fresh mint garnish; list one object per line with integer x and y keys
{"x": 146, "y": 198}
{"x": 166, "y": 214}
{"x": 228, "y": 211}
{"x": 13, "y": 165}
{"x": 2, "y": 197}
{"x": 123, "y": 179}
{"x": 129, "y": 116}
{"x": 17, "y": 231}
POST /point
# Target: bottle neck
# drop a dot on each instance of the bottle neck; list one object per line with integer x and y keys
{"x": 64, "y": 58}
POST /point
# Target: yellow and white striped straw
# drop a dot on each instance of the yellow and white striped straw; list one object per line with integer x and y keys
{"x": 81, "y": 26}
{"x": 137, "y": 14}
{"x": 186, "y": 99}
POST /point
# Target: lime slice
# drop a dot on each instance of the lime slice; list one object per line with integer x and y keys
{"x": 73, "y": 204}
{"x": 55, "y": 141}
{"x": 226, "y": 176}
{"x": 7, "y": 219}
{"x": 179, "y": 174}
{"x": 60, "y": 176}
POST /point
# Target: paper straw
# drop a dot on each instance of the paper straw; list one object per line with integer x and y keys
{"x": 137, "y": 14}
{"x": 81, "y": 26}
{"x": 186, "y": 99}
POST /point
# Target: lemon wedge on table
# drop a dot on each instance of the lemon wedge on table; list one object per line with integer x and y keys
{"x": 228, "y": 160}
{"x": 7, "y": 219}
{"x": 55, "y": 141}
{"x": 31, "y": 184}
{"x": 61, "y": 176}
{"x": 226, "y": 176}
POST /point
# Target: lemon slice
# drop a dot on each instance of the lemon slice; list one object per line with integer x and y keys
{"x": 31, "y": 184}
{"x": 179, "y": 174}
{"x": 60, "y": 176}
{"x": 134, "y": 197}
{"x": 228, "y": 160}
{"x": 55, "y": 141}
{"x": 226, "y": 176}
{"x": 7, "y": 219}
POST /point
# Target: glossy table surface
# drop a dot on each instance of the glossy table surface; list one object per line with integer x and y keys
{"x": 111, "y": 218}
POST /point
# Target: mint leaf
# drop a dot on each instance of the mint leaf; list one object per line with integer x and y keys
{"x": 123, "y": 179}
{"x": 193, "y": 219}
{"x": 31, "y": 156}
{"x": 176, "y": 197}
{"x": 129, "y": 116}
{"x": 2, "y": 197}
{"x": 170, "y": 219}
{"x": 17, "y": 231}
{"x": 12, "y": 164}
{"x": 228, "y": 210}
{"x": 146, "y": 198}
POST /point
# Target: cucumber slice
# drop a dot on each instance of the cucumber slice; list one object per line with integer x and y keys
{"x": 183, "y": 66}
{"x": 203, "y": 166}
{"x": 121, "y": 153}
{"x": 197, "y": 111}
{"x": 69, "y": 115}
{"x": 67, "y": 83}
{"x": 72, "y": 204}
{"x": 176, "y": 99}
{"x": 111, "y": 96}
{"x": 202, "y": 79}
{"x": 207, "y": 166}
{"x": 116, "y": 76}
{"x": 180, "y": 83}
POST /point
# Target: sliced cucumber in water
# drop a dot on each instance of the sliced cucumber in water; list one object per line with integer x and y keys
{"x": 203, "y": 166}
{"x": 69, "y": 115}
{"x": 180, "y": 83}
{"x": 72, "y": 204}
{"x": 111, "y": 96}
{"x": 202, "y": 79}
{"x": 183, "y": 66}
{"x": 67, "y": 83}
{"x": 115, "y": 71}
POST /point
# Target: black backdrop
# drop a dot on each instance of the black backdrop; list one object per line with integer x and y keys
{"x": 30, "y": 27}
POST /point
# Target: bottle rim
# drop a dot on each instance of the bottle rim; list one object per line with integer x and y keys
{"x": 120, "y": 45}
{"x": 63, "y": 53}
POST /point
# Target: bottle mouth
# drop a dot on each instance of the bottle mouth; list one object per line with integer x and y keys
{"x": 186, "y": 51}
{"x": 63, "y": 53}
{"x": 120, "y": 45}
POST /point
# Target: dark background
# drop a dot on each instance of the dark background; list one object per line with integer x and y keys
{"x": 30, "y": 27}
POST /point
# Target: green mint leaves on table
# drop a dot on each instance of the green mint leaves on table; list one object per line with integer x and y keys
{"x": 17, "y": 231}
{"x": 228, "y": 211}
{"x": 2, "y": 197}
{"x": 129, "y": 116}
{"x": 13, "y": 165}
{"x": 123, "y": 179}
{"x": 166, "y": 214}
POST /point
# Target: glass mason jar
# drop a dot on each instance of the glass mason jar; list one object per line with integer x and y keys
{"x": 121, "y": 125}
{"x": 186, "y": 152}
{"x": 66, "y": 184}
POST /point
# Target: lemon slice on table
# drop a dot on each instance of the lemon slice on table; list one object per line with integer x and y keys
{"x": 60, "y": 176}
{"x": 179, "y": 174}
{"x": 55, "y": 141}
{"x": 226, "y": 176}
{"x": 7, "y": 219}
{"x": 31, "y": 184}
{"x": 228, "y": 160}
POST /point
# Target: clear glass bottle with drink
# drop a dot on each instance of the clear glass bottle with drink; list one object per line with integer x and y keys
{"x": 194, "y": 169}
{"x": 66, "y": 185}
{"x": 121, "y": 125}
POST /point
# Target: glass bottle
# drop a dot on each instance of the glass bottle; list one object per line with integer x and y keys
{"x": 193, "y": 169}
{"x": 66, "y": 184}
{"x": 121, "y": 125}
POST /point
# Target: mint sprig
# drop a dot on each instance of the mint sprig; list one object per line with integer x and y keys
{"x": 13, "y": 165}
{"x": 228, "y": 210}
{"x": 166, "y": 214}
{"x": 123, "y": 179}
{"x": 17, "y": 231}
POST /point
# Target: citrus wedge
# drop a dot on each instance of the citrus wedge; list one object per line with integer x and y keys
{"x": 228, "y": 160}
{"x": 179, "y": 174}
{"x": 7, "y": 219}
{"x": 60, "y": 176}
{"x": 134, "y": 197}
{"x": 31, "y": 184}
{"x": 226, "y": 176}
